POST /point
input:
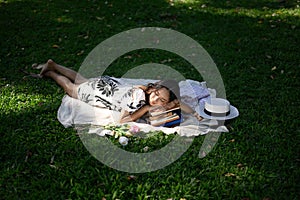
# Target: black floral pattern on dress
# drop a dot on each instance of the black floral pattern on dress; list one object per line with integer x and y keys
{"x": 92, "y": 84}
{"x": 107, "y": 85}
{"x": 141, "y": 103}
{"x": 106, "y": 92}
{"x": 137, "y": 106}
{"x": 84, "y": 96}
{"x": 106, "y": 103}
{"x": 128, "y": 93}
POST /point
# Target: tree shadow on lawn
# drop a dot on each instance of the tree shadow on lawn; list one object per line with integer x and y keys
{"x": 245, "y": 39}
{"x": 244, "y": 48}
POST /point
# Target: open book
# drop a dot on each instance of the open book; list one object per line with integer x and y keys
{"x": 167, "y": 118}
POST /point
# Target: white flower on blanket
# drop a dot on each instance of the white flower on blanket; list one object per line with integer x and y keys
{"x": 123, "y": 140}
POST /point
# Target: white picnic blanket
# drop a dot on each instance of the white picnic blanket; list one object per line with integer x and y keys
{"x": 74, "y": 112}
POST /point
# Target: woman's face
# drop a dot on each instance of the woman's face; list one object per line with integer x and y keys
{"x": 159, "y": 97}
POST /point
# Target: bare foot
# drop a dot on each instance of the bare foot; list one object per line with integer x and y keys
{"x": 49, "y": 66}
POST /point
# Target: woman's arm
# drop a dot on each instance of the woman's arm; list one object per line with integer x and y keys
{"x": 126, "y": 117}
{"x": 184, "y": 107}
{"x": 187, "y": 109}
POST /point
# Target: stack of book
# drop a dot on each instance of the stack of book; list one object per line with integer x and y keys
{"x": 167, "y": 118}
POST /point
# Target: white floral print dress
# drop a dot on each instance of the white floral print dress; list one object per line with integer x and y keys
{"x": 106, "y": 92}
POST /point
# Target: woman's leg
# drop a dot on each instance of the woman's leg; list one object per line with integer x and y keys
{"x": 69, "y": 73}
{"x": 69, "y": 87}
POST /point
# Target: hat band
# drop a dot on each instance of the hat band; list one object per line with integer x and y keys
{"x": 216, "y": 114}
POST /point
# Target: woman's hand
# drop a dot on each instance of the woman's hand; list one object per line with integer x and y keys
{"x": 187, "y": 109}
{"x": 126, "y": 117}
{"x": 172, "y": 104}
{"x": 198, "y": 117}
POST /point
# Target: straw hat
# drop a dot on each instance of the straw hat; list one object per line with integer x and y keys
{"x": 219, "y": 109}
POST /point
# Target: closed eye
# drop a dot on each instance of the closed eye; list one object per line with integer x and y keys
{"x": 160, "y": 98}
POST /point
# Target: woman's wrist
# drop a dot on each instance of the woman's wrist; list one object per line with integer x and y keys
{"x": 147, "y": 108}
{"x": 195, "y": 114}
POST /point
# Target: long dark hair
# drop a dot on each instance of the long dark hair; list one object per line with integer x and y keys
{"x": 171, "y": 85}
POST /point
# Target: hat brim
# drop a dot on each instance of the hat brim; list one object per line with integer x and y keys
{"x": 233, "y": 114}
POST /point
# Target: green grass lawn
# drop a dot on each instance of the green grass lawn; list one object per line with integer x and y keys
{"x": 255, "y": 45}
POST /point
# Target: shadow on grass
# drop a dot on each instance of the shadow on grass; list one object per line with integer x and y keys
{"x": 256, "y": 55}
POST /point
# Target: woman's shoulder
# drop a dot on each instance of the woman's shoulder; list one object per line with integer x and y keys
{"x": 138, "y": 90}
{"x": 135, "y": 93}
{"x": 139, "y": 87}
